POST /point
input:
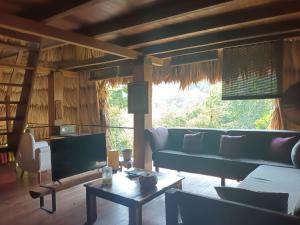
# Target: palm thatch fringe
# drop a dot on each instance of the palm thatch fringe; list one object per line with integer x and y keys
{"x": 187, "y": 74}
{"x": 184, "y": 74}
{"x": 102, "y": 96}
{"x": 69, "y": 53}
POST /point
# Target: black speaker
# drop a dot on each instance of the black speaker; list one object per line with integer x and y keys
{"x": 138, "y": 97}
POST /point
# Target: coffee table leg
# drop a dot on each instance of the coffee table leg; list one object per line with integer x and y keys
{"x": 135, "y": 215}
{"x": 91, "y": 208}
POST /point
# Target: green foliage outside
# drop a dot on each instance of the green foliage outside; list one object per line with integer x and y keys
{"x": 187, "y": 110}
{"x": 216, "y": 113}
{"x": 118, "y": 117}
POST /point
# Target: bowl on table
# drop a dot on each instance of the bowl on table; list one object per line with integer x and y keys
{"x": 148, "y": 180}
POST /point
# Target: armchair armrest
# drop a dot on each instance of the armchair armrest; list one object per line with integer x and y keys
{"x": 157, "y": 137}
{"x": 40, "y": 144}
{"x": 43, "y": 156}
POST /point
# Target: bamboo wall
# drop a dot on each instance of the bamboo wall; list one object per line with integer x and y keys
{"x": 80, "y": 102}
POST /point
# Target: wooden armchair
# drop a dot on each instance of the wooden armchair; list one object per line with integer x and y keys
{"x": 202, "y": 210}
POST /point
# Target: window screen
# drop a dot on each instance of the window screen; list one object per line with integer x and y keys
{"x": 252, "y": 71}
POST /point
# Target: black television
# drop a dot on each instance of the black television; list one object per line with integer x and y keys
{"x": 77, "y": 154}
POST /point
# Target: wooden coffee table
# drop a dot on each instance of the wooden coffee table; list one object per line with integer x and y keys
{"x": 127, "y": 192}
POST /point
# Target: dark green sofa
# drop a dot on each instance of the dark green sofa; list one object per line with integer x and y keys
{"x": 166, "y": 144}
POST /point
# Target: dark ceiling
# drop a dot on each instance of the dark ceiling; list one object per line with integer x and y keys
{"x": 167, "y": 27}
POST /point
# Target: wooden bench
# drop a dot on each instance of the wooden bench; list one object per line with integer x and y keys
{"x": 43, "y": 190}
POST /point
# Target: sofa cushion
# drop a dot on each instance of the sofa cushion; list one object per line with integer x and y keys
{"x": 280, "y": 149}
{"x": 258, "y": 141}
{"x": 157, "y": 137}
{"x": 295, "y": 155}
{"x": 274, "y": 179}
{"x": 268, "y": 200}
{"x": 175, "y": 138}
{"x": 193, "y": 143}
{"x": 211, "y": 142}
{"x": 232, "y": 146}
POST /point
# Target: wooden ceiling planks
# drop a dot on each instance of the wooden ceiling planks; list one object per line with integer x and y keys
{"x": 155, "y": 13}
{"x": 165, "y": 28}
{"x": 201, "y": 44}
{"x": 106, "y": 62}
{"x": 254, "y": 15}
{"x": 143, "y": 16}
{"x": 70, "y": 15}
{"x": 54, "y": 13}
{"x": 233, "y": 43}
{"x": 224, "y": 36}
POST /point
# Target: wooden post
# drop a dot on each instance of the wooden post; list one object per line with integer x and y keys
{"x": 78, "y": 127}
{"x": 51, "y": 110}
{"x": 55, "y": 99}
{"x": 142, "y": 158}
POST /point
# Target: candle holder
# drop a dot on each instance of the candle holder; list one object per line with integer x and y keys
{"x": 113, "y": 159}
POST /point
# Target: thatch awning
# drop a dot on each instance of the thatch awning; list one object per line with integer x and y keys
{"x": 187, "y": 74}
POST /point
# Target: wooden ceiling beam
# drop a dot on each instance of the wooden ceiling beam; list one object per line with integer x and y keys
{"x": 105, "y": 63}
{"x": 187, "y": 6}
{"x": 18, "y": 35}
{"x": 125, "y": 69}
{"x": 225, "y": 36}
{"x": 89, "y": 62}
{"x": 195, "y": 57}
{"x": 113, "y": 72}
{"x": 198, "y": 26}
{"x": 153, "y": 13}
{"x": 97, "y": 62}
{"x": 229, "y": 44}
{"x": 201, "y": 43}
{"x": 146, "y": 15}
{"x": 31, "y": 27}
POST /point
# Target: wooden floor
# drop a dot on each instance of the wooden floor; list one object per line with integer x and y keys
{"x": 16, "y": 206}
